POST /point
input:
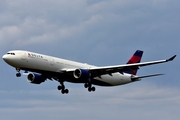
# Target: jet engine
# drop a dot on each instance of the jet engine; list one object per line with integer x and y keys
{"x": 81, "y": 74}
{"x": 35, "y": 78}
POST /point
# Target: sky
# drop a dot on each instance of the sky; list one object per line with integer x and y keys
{"x": 97, "y": 32}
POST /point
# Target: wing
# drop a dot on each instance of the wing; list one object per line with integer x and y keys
{"x": 98, "y": 71}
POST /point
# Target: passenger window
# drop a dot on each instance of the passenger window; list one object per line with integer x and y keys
{"x": 10, "y": 53}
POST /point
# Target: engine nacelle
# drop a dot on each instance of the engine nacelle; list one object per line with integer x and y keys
{"x": 35, "y": 78}
{"x": 81, "y": 74}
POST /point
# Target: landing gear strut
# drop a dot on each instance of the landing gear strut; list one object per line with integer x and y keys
{"x": 18, "y": 74}
{"x": 62, "y": 88}
{"x": 90, "y": 87}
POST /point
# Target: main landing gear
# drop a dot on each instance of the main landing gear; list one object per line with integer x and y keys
{"x": 62, "y": 88}
{"x": 18, "y": 74}
{"x": 90, "y": 87}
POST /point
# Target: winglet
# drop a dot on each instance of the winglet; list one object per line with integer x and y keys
{"x": 172, "y": 58}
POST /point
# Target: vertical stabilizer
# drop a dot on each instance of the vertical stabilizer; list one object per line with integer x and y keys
{"x": 136, "y": 58}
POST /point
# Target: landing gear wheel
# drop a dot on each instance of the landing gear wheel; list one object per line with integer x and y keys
{"x": 59, "y": 87}
{"x": 93, "y": 89}
{"x": 18, "y": 75}
{"x": 62, "y": 91}
{"x": 62, "y": 88}
{"x": 89, "y": 89}
{"x": 66, "y": 91}
{"x": 86, "y": 85}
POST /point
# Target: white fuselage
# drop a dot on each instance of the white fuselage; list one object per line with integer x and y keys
{"x": 35, "y": 62}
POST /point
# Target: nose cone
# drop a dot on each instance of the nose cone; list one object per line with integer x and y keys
{"x": 4, "y": 57}
{"x": 11, "y": 59}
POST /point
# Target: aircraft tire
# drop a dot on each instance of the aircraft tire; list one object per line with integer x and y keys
{"x": 62, "y": 91}
{"x": 66, "y": 91}
{"x": 89, "y": 89}
{"x": 86, "y": 85}
{"x": 18, "y": 75}
{"x": 59, "y": 87}
{"x": 93, "y": 89}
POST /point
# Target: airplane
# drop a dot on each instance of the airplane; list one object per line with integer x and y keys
{"x": 39, "y": 68}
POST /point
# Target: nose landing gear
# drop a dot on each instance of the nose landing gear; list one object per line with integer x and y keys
{"x": 18, "y": 74}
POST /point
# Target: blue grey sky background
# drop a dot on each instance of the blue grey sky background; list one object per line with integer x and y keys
{"x": 98, "y": 32}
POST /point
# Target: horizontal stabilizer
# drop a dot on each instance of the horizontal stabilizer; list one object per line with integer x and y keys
{"x": 136, "y": 78}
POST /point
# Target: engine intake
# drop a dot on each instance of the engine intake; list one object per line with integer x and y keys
{"x": 35, "y": 78}
{"x": 81, "y": 74}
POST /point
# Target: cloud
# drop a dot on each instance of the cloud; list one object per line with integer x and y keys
{"x": 117, "y": 22}
{"x": 146, "y": 99}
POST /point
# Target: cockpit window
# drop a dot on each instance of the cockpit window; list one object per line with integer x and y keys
{"x": 10, "y": 53}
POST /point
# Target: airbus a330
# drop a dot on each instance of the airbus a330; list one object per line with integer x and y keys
{"x": 40, "y": 68}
